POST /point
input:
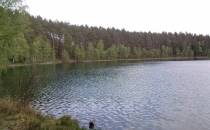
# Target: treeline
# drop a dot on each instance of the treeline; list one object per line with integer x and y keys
{"x": 28, "y": 39}
{"x": 97, "y": 43}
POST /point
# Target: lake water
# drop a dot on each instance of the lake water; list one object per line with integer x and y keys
{"x": 169, "y": 95}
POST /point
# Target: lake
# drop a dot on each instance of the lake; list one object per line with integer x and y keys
{"x": 165, "y": 95}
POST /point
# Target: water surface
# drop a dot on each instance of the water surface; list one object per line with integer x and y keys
{"x": 172, "y": 95}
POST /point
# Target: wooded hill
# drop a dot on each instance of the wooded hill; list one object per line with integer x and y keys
{"x": 29, "y": 39}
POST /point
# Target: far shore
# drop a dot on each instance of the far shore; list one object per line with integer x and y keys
{"x": 30, "y": 64}
{"x": 92, "y": 61}
{"x": 152, "y": 59}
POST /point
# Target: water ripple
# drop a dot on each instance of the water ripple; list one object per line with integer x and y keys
{"x": 132, "y": 96}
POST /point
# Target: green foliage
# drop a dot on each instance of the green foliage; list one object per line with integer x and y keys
{"x": 12, "y": 23}
{"x": 24, "y": 39}
{"x": 69, "y": 47}
{"x": 124, "y": 51}
{"x": 41, "y": 50}
{"x": 65, "y": 56}
{"x": 178, "y": 52}
{"x": 208, "y": 53}
{"x": 3, "y": 54}
{"x": 99, "y": 50}
{"x": 154, "y": 53}
{"x": 14, "y": 115}
{"x": 79, "y": 53}
{"x": 19, "y": 50}
{"x": 112, "y": 52}
{"x": 13, "y": 45}
{"x": 186, "y": 52}
{"x": 90, "y": 51}
{"x": 166, "y": 51}
{"x": 137, "y": 52}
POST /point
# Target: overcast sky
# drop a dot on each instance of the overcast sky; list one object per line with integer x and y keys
{"x": 133, "y": 15}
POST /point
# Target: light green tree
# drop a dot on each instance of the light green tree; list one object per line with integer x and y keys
{"x": 65, "y": 57}
{"x": 166, "y": 51}
{"x": 90, "y": 51}
{"x": 41, "y": 50}
{"x": 137, "y": 52}
{"x": 99, "y": 50}
{"x": 13, "y": 23}
{"x": 79, "y": 53}
{"x": 19, "y": 50}
{"x": 208, "y": 53}
{"x": 187, "y": 52}
{"x": 124, "y": 51}
{"x": 112, "y": 52}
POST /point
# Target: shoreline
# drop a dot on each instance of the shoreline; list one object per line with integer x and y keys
{"x": 30, "y": 64}
{"x": 150, "y": 59}
{"x": 18, "y": 116}
{"x": 113, "y": 60}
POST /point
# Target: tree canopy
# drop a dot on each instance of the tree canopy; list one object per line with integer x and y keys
{"x": 28, "y": 39}
{"x": 12, "y": 4}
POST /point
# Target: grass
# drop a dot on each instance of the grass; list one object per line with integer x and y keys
{"x": 16, "y": 116}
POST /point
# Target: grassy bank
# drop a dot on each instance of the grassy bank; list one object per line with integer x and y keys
{"x": 16, "y": 116}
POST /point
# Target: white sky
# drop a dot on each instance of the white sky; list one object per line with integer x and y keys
{"x": 133, "y": 15}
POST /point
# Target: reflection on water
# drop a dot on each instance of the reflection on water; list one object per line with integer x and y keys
{"x": 119, "y": 96}
{"x": 22, "y": 83}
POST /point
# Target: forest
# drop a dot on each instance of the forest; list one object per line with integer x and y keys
{"x": 32, "y": 39}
